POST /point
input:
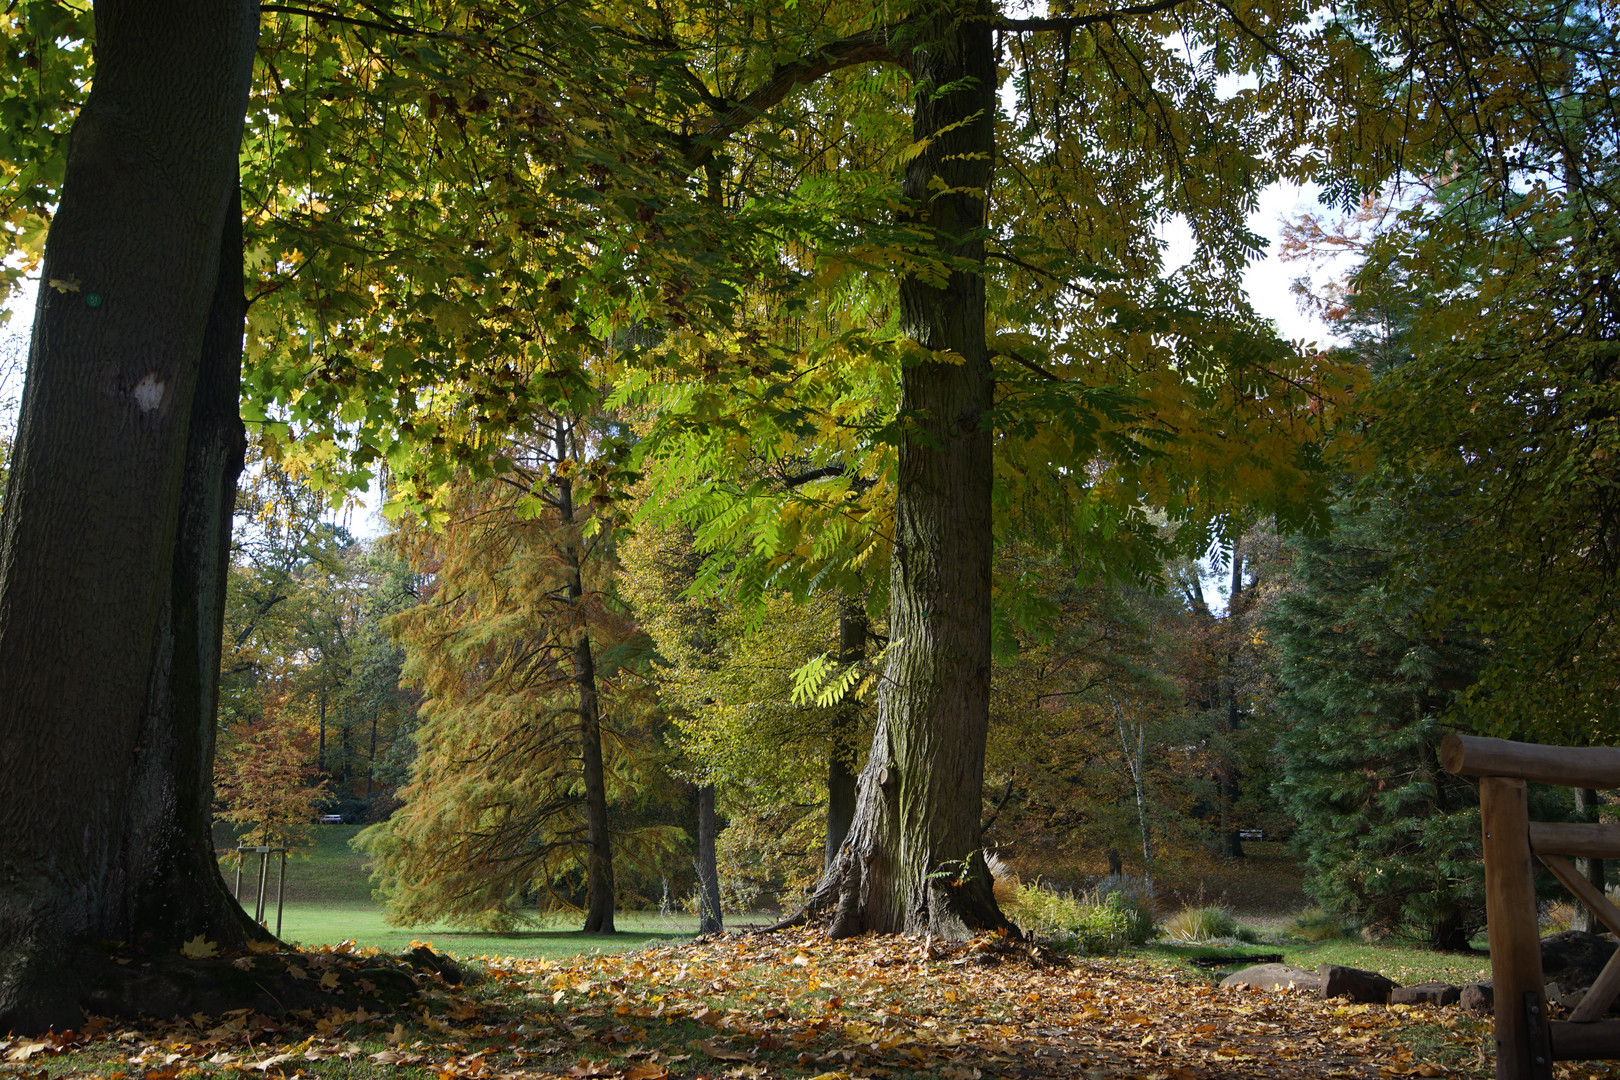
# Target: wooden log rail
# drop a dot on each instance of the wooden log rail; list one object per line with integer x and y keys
{"x": 1527, "y": 1040}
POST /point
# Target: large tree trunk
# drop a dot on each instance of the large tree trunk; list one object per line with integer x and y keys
{"x": 170, "y": 820}
{"x": 912, "y": 861}
{"x": 599, "y": 886}
{"x": 103, "y": 679}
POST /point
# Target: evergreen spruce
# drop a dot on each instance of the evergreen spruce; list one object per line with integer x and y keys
{"x": 1388, "y": 837}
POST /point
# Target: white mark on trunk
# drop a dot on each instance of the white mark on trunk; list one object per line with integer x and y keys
{"x": 148, "y": 393}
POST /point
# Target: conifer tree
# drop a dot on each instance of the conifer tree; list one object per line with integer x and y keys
{"x": 1388, "y": 836}
{"x": 531, "y": 722}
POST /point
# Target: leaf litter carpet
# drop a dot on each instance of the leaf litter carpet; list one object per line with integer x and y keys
{"x": 792, "y": 1005}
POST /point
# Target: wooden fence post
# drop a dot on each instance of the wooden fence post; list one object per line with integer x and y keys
{"x": 1523, "y": 1050}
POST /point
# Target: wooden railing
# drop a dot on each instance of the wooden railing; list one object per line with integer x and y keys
{"x": 1527, "y": 1040}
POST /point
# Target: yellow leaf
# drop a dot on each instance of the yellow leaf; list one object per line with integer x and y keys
{"x": 199, "y": 948}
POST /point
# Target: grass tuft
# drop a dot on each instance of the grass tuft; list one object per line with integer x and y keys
{"x": 1202, "y": 924}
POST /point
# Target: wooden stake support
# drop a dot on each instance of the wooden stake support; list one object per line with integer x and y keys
{"x": 1527, "y": 1040}
{"x": 264, "y": 854}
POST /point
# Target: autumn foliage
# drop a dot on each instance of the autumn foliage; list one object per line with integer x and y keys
{"x": 266, "y": 780}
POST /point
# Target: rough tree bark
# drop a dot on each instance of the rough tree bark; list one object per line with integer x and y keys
{"x": 112, "y": 539}
{"x": 170, "y": 812}
{"x": 912, "y": 861}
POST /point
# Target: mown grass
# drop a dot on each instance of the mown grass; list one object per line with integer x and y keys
{"x": 328, "y": 900}
{"x": 330, "y": 872}
{"x": 312, "y": 925}
{"x": 1405, "y": 964}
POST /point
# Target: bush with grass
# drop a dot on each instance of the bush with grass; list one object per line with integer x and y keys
{"x": 1101, "y": 921}
{"x": 1202, "y": 924}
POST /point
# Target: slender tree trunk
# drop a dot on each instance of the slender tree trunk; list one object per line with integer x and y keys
{"x": 1586, "y": 809}
{"x": 912, "y": 860}
{"x": 320, "y": 748}
{"x": 110, "y": 537}
{"x": 599, "y": 886}
{"x": 1136, "y": 763}
{"x": 852, "y": 631}
{"x": 371, "y": 760}
{"x": 1231, "y": 836}
{"x": 710, "y": 920}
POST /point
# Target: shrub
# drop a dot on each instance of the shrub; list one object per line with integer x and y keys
{"x": 1317, "y": 924}
{"x": 1201, "y": 924}
{"x": 1556, "y": 915}
{"x": 1088, "y": 923}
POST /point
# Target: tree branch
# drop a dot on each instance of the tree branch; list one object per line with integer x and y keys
{"x": 1079, "y": 22}
{"x": 869, "y": 47}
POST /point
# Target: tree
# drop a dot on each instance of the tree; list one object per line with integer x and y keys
{"x": 267, "y": 781}
{"x": 1089, "y": 743}
{"x": 1052, "y": 403}
{"x": 530, "y": 714}
{"x": 1389, "y": 837}
{"x": 113, "y": 540}
{"x": 1493, "y": 253}
{"x": 626, "y": 194}
{"x": 305, "y": 636}
{"x": 747, "y": 725}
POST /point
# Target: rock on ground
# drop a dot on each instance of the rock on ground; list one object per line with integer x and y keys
{"x": 1425, "y": 993}
{"x": 1355, "y": 984}
{"x": 1273, "y": 977}
{"x": 1574, "y": 957}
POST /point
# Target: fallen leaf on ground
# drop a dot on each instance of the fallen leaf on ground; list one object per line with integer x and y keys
{"x": 198, "y": 948}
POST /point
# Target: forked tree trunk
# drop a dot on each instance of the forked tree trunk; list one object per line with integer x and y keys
{"x": 110, "y": 543}
{"x": 912, "y": 861}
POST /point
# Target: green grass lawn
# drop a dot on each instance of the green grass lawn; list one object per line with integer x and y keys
{"x": 328, "y": 900}
{"x": 329, "y": 923}
{"x": 331, "y": 872}
{"x": 1405, "y": 964}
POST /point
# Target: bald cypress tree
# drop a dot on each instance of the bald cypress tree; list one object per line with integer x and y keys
{"x": 530, "y": 719}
